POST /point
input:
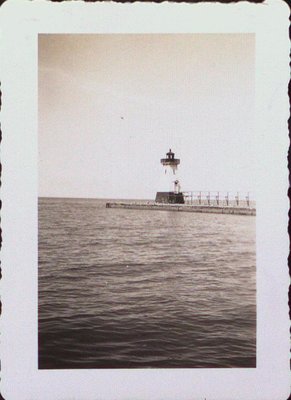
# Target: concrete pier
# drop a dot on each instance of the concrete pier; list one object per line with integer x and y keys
{"x": 183, "y": 207}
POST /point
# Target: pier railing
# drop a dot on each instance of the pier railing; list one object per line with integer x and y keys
{"x": 222, "y": 199}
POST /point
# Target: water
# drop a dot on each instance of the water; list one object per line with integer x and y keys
{"x": 138, "y": 288}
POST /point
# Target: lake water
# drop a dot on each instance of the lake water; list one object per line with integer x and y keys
{"x": 137, "y": 288}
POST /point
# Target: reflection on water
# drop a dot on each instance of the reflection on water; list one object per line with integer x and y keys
{"x": 137, "y": 288}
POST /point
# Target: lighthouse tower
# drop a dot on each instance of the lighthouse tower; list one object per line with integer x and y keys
{"x": 170, "y": 161}
{"x": 170, "y": 164}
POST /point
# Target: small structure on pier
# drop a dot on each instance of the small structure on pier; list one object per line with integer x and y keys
{"x": 176, "y": 196}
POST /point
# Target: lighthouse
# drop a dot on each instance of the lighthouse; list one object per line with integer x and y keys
{"x": 170, "y": 161}
{"x": 170, "y": 164}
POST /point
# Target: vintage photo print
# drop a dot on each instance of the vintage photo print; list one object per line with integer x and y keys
{"x": 133, "y": 287}
{"x": 144, "y": 201}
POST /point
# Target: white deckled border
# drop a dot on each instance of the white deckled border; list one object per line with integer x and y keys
{"x": 21, "y": 21}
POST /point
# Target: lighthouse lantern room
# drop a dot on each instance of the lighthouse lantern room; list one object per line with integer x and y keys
{"x": 176, "y": 196}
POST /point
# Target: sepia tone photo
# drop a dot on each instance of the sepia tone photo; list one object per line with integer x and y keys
{"x": 147, "y": 205}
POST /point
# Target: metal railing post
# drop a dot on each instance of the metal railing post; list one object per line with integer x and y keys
{"x": 237, "y": 199}
{"x": 227, "y": 198}
{"x": 248, "y": 199}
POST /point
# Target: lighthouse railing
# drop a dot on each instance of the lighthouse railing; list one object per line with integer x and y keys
{"x": 220, "y": 198}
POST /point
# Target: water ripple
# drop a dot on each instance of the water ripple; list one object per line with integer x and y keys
{"x": 130, "y": 289}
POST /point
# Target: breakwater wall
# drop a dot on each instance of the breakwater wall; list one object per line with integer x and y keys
{"x": 183, "y": 208}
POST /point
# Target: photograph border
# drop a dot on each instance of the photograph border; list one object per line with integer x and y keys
{"x": 21, "y": 24}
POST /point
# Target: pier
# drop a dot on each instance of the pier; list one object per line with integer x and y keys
{"x": 213, "y": 209}
{"x": 214, "y": 202}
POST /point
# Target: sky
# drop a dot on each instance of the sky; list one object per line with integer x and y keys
{"x": 111, "y": 106}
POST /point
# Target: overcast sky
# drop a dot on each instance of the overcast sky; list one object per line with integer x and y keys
{"x": 110, "y": 106}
